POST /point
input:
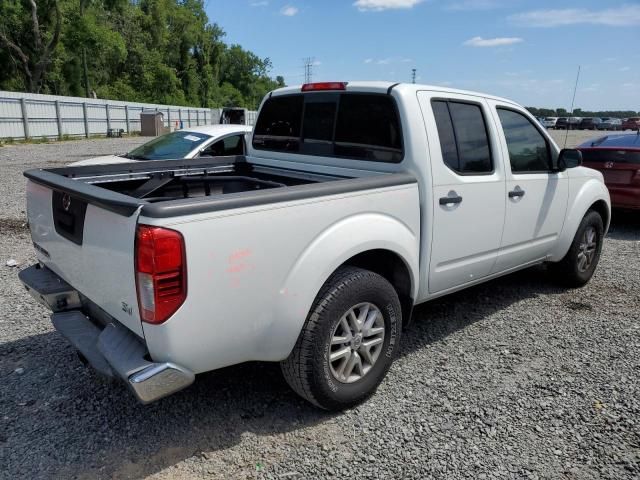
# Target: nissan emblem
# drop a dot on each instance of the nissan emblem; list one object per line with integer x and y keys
{"x": 66, "y": 202}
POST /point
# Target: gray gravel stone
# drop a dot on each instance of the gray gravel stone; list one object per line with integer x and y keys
{"x": 517, "y": 378}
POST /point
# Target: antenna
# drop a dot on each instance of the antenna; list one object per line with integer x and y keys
{"x": 308, "y": 69}
{"x": 413, "y": 75}
{"x": 575, "y": 88}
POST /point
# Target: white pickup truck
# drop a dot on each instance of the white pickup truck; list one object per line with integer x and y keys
{"x": 354, "y": 203}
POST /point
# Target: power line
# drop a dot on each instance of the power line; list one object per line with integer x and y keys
{"x": 308, "y": 69}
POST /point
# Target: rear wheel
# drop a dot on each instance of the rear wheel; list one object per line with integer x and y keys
{"x": 580, "y": 262}
{"x": 348, "y": 342}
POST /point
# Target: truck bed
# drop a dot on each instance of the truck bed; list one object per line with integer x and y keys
{"x": 178, "y": 187}
{"x": 84, "y": 219}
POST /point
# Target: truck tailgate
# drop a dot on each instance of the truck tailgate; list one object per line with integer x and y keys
{"x": 91, "y": 248}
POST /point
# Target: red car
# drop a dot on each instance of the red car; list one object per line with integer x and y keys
{"x": 618, "y": 158}
{"x": 632, "y": 123}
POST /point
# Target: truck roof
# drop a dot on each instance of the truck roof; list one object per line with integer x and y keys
{"x": 405, "y": 88}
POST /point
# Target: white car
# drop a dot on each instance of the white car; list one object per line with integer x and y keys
{"x": 354, "y": 203}
{"x": 549, "y": 122}
{"x": 193, "y": 142}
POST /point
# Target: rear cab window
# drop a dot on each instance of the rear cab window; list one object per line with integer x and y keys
{"x": 349, "y": 125}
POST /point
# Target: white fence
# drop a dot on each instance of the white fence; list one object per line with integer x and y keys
{"x": 27, "y": 115}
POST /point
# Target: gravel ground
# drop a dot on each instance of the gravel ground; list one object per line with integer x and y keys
{"x": 516, "y": 378}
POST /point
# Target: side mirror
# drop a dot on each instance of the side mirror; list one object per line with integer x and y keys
{"x": 569, "y": 158}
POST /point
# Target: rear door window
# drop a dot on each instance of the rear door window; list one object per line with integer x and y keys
{"x": 463, "y": 137}
{"x": 347, "y": 125}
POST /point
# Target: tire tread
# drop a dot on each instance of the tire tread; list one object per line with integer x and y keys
{"x": 297, "y": 368}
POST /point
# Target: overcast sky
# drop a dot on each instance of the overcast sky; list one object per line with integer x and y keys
{"x": 528, "y": 51}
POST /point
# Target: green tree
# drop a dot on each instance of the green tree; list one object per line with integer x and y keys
{"x": 30, "y": 37}
{"x": 164, "y": 51}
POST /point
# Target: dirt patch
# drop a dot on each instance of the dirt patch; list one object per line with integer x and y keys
{"x": 13, "y": 225}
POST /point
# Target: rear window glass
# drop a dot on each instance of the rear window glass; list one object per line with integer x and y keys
{"x": 368, "y": 128}
{"x": 279, "y": 124}
{"x": 318, "y": 121}
{"x": 616, "y": 156}
{"x": 347, "y": 125}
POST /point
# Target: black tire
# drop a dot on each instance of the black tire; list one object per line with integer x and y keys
{"x": 569, "y": 271}
{"x": 308, "y": 369}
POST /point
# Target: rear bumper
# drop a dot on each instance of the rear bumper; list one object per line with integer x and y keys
{"x": 112, "y": 349}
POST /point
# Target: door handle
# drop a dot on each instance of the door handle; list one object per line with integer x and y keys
{"x": 516, "y": 193}
{"x": 449, "y": 200}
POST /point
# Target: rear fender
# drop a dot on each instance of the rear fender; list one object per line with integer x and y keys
{"x": 329, "y": 250}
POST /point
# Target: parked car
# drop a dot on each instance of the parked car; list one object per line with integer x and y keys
{"x": 355, "y": 202}
{"x": 562, "y": 123}
{"x": 550, "y": 122}
{"x": 632, "y": 123}
{"x": 610, "y": 123}
{"x": 589, "y": 123}
{"x": 574, "y": 122}
{"x": 192, "y": 142}
{"x": 618, "y": 158}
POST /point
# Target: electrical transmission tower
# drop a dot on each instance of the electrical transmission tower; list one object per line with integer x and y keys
{"x": 308, "y": 69}
{"x": 413, "y": 75}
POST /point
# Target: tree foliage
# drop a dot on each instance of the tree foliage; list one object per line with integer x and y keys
{"x": 578, "y": 112}
{"x": 159, "y": 51}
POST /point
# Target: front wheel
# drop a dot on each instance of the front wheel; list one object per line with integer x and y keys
{"x": 579, "y": 264}
{"x": 348, "y": 341}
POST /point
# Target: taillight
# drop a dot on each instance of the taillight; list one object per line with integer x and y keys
{"x": 310, "y": 87}
{"x": 161, "y": 272}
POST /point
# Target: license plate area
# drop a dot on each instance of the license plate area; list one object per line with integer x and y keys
{"x": 618, "y": 177}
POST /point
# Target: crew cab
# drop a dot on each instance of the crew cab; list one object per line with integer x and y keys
{"x": 354, "y": 203}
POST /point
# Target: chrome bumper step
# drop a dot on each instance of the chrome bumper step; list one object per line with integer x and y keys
{"x": 49, "y": 289}
{"x": 113, "y": 350}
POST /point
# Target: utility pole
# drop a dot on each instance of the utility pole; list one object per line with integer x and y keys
{"x": 308, "y": 69}
{"x": 413, "y": 75}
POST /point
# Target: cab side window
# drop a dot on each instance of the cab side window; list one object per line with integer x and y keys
{"x": 233, "y": 145}
{"x": 528, "y": 149}
{"x": 463, "y": 137}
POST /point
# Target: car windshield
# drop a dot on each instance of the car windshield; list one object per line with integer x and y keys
{"x": 172, "y": 145}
